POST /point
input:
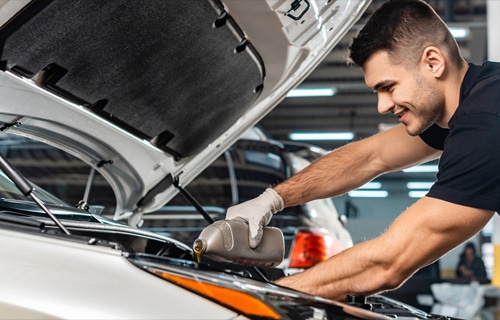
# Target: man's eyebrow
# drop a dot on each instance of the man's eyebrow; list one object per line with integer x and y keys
{"x": 381, "y": 84}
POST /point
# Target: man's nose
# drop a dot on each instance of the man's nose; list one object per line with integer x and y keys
{"x": 385, "y": 103}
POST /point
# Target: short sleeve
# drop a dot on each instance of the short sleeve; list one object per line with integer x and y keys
{"x": 469, "y": 168}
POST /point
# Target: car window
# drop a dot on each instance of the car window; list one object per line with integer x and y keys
{"x": 257, "y": 169}
{"x": 240, "y": 174}
{"x": 58, "y": 177}
{"x": 211, "y": 188}
{"x": 8, "y": 190}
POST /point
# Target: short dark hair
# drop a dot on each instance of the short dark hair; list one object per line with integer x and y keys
{"x": 403, "y": 28}
{"x": 471, "y": 246}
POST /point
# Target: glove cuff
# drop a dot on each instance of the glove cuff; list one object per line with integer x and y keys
{"x": 277, "y": 203}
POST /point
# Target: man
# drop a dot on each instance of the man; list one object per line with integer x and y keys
{"x": 471, "y": 266}
{"x": 447, "y": 109}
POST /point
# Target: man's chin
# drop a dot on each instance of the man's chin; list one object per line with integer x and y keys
{"x": 412, "y": 131}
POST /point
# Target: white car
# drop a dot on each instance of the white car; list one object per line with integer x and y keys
{"x": 148, "y": 93}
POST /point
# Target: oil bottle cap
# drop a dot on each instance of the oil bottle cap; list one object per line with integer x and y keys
{"x": 199, "y": 246}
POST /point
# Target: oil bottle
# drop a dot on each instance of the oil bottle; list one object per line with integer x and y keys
{"x": 227, "y": 241}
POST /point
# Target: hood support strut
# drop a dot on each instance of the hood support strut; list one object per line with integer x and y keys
{"x": 191, "y": 199}
{"x": 27, "y": 190}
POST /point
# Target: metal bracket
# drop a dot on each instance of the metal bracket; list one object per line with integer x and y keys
{"x": 296, "y": 5}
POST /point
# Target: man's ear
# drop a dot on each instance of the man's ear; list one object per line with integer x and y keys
{"x": 433, "y": 60}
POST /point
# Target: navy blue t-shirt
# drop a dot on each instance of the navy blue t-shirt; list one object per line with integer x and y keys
{"x": 469, "y": 168}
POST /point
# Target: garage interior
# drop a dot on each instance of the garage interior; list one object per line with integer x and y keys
{"x": 350, "y": 108}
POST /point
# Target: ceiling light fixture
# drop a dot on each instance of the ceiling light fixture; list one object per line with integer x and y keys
{"x": 426, "y": 168}
{"x": 412, "y": 185}
{"x": 368, "y": 194}
{"x": 459, "y": 32}
{"x": 311, "y": 92}
{"x": 371, "y": 185}
{"x": 417, "y": 194}
{"x": 320, "y": 136}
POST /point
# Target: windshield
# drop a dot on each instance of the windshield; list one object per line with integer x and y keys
{"x": 8, "y": 190}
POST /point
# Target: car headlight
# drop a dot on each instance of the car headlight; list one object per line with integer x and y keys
{"x": 229, "y": 297}
{"x": 251, "y": 298}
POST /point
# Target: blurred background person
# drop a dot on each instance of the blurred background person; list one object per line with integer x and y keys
{"x": 471, "y": 266}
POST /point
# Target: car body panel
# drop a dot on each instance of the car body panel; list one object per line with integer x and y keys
{"x": 52, "y": 275}
{"x": 104, "y": 278}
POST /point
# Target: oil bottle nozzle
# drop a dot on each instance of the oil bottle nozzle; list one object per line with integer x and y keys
{"x": 199, "y": 247}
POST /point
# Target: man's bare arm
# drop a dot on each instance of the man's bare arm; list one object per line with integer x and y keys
{"x": 353, "y": 165}
{"x": 419, "y": 236}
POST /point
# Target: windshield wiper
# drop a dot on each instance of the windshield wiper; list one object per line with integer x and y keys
{"x": 23, "y": 185}
{"x": 24, "y": 221}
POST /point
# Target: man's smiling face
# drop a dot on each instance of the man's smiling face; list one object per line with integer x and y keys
{"x": 407, "y": 94}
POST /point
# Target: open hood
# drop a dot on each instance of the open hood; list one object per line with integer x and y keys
{"x": 151, "y": 92}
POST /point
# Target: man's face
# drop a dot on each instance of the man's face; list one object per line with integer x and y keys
{"x": 407, "y": 94}
{"x": 469, "y": 254}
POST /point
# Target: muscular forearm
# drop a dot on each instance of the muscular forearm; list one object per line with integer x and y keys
{"x": 419, "y": 236}
{"x": 337, "y": 277}
{"x": 334, "y": 174}
{"x": 353, "y": 165}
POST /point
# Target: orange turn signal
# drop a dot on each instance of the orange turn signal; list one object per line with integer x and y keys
{"x": 234, "y": 299}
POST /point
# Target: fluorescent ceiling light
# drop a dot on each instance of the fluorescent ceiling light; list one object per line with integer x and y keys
{"x": 385, "y": 126}
{"x": 419, "y": 185}
{"x": 417, "y": 194}
{"x": 459, "y": 33}
{"x": 422, "y": 168}
{"x": 371, "y": 185}
{"x": 368, "y": 194}
{"x": 317, "y": 136}
{"x": 311, "y": 92}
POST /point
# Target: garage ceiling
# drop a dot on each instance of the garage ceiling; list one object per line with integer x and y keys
{"x": 354, "y": 107}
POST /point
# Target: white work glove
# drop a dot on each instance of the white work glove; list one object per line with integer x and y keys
{"x": 257, "y": 213}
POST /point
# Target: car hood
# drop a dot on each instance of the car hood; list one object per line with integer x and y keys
{"x": 149, "y": 93}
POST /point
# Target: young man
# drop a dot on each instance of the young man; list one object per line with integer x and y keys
{"x": 447, "y": 109}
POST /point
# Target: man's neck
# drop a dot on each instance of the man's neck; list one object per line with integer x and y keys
{"x": 452, "y": 92}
